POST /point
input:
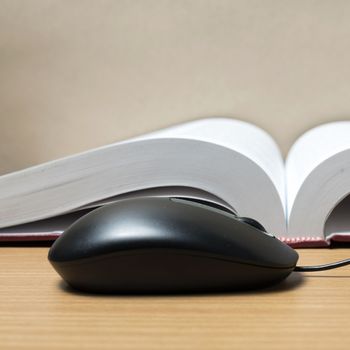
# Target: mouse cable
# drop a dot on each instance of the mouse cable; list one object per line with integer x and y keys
{"x": 330, "y": 266}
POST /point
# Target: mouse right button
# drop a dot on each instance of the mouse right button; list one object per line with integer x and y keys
{"x": 253, "y": 223}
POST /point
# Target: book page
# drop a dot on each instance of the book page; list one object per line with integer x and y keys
{"x": 59, "y": 223}
{"x": 236, "y": 162}
{"x": 317, "y": 172}
{"x": 310, "y": 150}
{"x": 338, "y": 221}
{"x": 237, "y": 135}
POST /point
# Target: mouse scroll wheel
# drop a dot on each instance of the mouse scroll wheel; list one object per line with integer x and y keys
{"x": 252, "y": 222}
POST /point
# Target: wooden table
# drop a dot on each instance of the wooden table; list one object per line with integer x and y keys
{"x": 310, "y": 311}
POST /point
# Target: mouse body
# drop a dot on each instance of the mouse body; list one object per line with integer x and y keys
{"x": 168, "y": 245}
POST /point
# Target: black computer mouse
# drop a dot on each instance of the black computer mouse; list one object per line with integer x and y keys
{"x": 168, "y": 245}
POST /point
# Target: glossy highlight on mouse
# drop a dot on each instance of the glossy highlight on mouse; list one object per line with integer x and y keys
{"x": 168, "y": 245}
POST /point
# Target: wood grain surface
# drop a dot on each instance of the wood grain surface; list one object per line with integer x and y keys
{"x": 37, "y": 311}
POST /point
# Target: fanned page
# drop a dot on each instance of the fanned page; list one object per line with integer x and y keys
{"x": 318, "y": 182}
{"x": 228, "y": 160}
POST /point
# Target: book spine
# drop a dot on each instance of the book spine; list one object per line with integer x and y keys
{"x": 294, "y": 242}
{"x": 29, "y": 237}
{"x": 305, "y": 242}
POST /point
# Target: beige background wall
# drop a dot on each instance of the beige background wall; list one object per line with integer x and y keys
{"x": 79, "y": 74}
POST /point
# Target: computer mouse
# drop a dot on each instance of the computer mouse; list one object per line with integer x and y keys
{"x": 168, "y": 245}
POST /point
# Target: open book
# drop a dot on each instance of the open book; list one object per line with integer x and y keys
{"x": 303, "y": 201}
